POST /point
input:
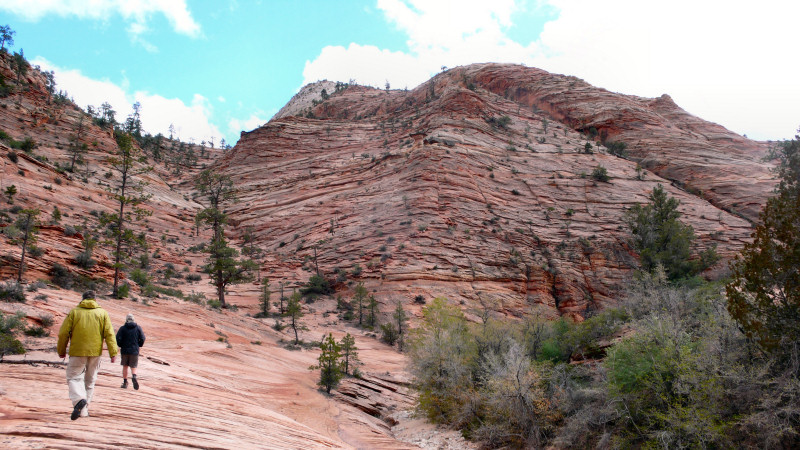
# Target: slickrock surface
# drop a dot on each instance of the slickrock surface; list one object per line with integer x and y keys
{"x": 227, "y": 383}
{"x": 433, "y": 192}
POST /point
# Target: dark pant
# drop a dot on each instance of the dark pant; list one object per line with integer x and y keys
{"x": 130, "y": 361}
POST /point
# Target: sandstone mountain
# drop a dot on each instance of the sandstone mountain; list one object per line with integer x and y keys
{"x": 477, "y": 186}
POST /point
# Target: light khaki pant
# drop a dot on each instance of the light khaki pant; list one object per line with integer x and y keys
{"x": 81, "y": 376}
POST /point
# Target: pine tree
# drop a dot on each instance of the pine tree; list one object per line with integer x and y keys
{"x": 400, "y": 319}
{"x": 223, "y": 264}
{"x": 27, "y": 226}
{"x": 359, "y": 298}
{"x": 264, "y": 298}
{"x": 349, "y": 353}
{"x": 128, "y": 162}
{"x": 372, "y": 306}
{"x": 294, "y": 311}
{"x": 6, "y": 37}
{"x": 77, "y": 148}
{"x": 55, "y": 216}
{"x": 10, "y": 192}
{"x": 330, "y": 365}
{"x": 224, "y": 268}
{"x": 661, "y": 239}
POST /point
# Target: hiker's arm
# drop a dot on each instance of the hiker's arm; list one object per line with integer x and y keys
{"x": 63, "y": 336}
{"x": 111, "y": 340}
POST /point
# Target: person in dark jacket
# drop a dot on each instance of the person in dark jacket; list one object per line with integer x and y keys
{"x": 129, "y": 338}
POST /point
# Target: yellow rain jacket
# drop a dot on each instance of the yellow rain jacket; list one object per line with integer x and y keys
{"x": 85, "y": 328}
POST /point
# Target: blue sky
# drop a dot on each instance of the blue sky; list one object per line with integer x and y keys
{"x": 214, "y": 68}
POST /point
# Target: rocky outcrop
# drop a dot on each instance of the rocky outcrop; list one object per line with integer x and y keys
{"x": 477, "y": 186}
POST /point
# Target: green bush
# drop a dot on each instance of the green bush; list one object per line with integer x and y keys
{"x": 46, "y": 320}
{"x": 61, "y": 276}
{"x": 317, "y": 285}
{"x": 600, "y": 174}
{"x": 9, "y": 345}
{"x": 140, "y": 277}
{"x": 389, "y": 333}
{"x": 123, "y": 290}
{"x": 617, "y": 148}
{"x": 214, "y": 304}
{"x": 84, "y": 260}
{"x": 36, "y": 331}
{"x": 196, "y": 297}
{"x": 11, "y": 291}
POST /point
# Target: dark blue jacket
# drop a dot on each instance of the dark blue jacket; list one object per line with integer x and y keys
{"x": 129, "y": 338}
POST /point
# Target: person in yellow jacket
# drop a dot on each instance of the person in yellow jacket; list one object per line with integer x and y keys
{"x": 85, "y": 329}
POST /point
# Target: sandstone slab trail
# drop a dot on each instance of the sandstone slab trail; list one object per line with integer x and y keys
{"x": 211, "y": 380}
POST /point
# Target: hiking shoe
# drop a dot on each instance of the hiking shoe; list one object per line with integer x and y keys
{"x": 76, "y": 411}
{"x": 135, "y": 383}
{"x": 124, "y": 384}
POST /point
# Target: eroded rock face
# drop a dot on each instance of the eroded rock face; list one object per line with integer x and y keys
{"x": 476, "y": 186}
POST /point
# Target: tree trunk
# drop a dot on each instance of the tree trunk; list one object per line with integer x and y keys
{"x": 118, "y": 252}
{"x": 22, "y": 259}
{"x": 221, "y": 290}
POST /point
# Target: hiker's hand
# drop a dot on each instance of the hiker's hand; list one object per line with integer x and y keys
{"x": 113, "y": 359}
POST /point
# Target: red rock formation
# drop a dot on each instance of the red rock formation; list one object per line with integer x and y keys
{"x": 475, "y": 186}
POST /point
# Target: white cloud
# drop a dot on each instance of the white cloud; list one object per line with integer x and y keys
{"x": 192, "y": 121}
{"x": 254, "y": 121}
{"x": 136, "y": 11}
{"x": 367, "y": 64}
{"x": 724, "y": 61}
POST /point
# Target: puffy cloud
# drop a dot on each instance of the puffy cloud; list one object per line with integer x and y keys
{"x": 254, "y": 121}
{"x": 191, "y": 121}
{"x": 367, "y": 65}
{"x": 136, "y": 11}
{"x": 718, "y": 60}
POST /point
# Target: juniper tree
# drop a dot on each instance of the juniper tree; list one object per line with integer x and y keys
{"x": 128, "y": 162}
{"x": 764, "y": 294}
